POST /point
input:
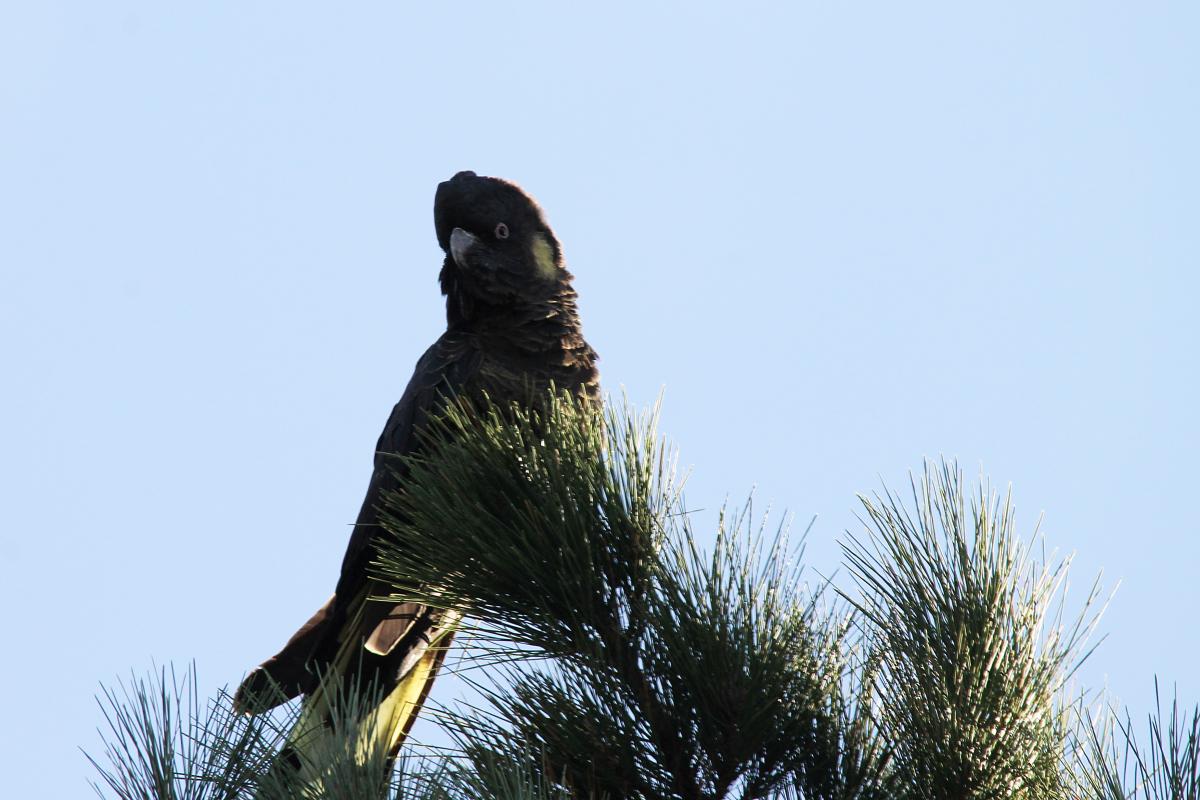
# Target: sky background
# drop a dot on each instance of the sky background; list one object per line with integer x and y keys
{"x": 841, "y": 238}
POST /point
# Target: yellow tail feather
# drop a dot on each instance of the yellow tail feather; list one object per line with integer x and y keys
{"x": 379, "y": 727}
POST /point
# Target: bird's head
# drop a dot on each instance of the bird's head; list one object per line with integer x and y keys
{"x": 499, "y": 249}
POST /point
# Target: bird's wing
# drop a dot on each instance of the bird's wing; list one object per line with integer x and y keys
{"x": 389, "y": 625}
{"x": 443, "y": 370}
{"x": 284, "y": 675}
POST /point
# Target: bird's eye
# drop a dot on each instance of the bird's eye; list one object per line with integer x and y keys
{"x": 501, "y": 230}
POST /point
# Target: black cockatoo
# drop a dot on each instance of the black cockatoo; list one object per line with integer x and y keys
{"x": 512, "y": 330}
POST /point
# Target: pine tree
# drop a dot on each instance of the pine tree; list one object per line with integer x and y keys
{"x": 621, "y": 660}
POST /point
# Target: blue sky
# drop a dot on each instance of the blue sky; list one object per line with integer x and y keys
{"x": 842, "y": 238}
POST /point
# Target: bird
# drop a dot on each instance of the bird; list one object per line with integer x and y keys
{"x": 513, "y": 333}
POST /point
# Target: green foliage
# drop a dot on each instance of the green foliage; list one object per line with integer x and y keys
{"x": 969, "y": 629}
{"x": 671, "y": 673}
{"x": 162, "y": 743}
{"x": 1113, "y": 764}
{"x": 623, "y": 661}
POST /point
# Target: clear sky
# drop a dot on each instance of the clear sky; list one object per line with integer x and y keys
{"x": 843, "y": 237}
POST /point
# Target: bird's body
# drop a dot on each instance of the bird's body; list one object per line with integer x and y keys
{"x": 513, "y": 331}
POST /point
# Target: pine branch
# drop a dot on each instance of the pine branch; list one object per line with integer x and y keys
{"x": 563, "y": 531}
{"x": 1112, "y": 763}
{"x": 969, "y": 629}
{"x": 618, "y": 659}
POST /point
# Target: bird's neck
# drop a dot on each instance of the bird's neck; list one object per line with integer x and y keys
{"x": 543, "y": 325}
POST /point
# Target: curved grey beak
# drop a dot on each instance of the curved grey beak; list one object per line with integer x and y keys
{"x": 461, "y": 243}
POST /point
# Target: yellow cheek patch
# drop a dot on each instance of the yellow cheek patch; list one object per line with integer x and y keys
{"x": 543, "y": 256}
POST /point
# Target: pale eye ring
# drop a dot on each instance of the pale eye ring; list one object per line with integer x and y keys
{"x": 501, "y": 230}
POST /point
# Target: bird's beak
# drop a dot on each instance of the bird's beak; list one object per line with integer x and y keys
{"x": 461, "y": 243}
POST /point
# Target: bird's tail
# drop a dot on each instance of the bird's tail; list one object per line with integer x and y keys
{"x": 360, "y": 713}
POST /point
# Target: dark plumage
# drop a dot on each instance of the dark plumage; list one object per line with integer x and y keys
{"x": 512, "y": 330}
